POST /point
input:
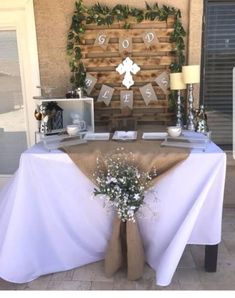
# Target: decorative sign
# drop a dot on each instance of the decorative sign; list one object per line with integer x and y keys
{"x": 106, "y": 94}
{"x": 125, "y": 44}
{"x": 163, "y": 80}
{"x": 147, "y": 37}
{"x": 90, "y": 83}
{"x": 102, "y": 40}
{"x": 127, "y": 67}
{"x": 148, "y": 93}
{"x": 150, "y": 38}
{"x": 126, "y": 98}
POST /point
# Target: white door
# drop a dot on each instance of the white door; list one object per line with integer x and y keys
{"x": 13, "y": 136}
{"x": 19, "y": 76}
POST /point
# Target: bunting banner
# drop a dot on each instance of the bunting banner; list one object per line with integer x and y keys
{"x": 90, "y": 83}
{"x": 126, "y": 98}
{"x": 148, "y": 93}
{"x": 150, "y": 38}
{"x": 102, "y": 40}
{"x": 163, "y": 81}
{"x": 125, "y": 45}
{"x": 105, "y": 94}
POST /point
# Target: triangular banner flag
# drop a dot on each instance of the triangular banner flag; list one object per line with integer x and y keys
{"x": 125, "y": 45}
{"x": 105, "y": 94}
{"x": 102, "y": 40}
{"x": 90, "y": 83}
{"x": 126, "y": 98}
{"x": 163, "y": 80}
{"x": 150, "y": 38}
{"x": 148, "y": 93}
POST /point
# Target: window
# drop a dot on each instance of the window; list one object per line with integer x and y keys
{"x": 218, "y": 60}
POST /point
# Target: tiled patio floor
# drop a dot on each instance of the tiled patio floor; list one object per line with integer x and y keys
{"x": 190, "y": 274}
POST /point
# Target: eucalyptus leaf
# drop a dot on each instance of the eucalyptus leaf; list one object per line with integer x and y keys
{"x": 78, "y": 54}
{"x": 89, "y": 20}
{"x": 81, "y": 30}
{"x": 155, "y": 6}
{"x": 127, "y": 25}
{"x": 148, "y": 7}
{"x": 77, "y": 39}
{"x": 109, "y": 20}
{"x": 140, "y": 18}
{"x": 70, "y": 35}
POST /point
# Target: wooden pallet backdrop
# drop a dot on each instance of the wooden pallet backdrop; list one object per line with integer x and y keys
{"x": 102, "y": 64}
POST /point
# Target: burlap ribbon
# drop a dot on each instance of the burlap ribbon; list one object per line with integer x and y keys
{"x": 125, "y": 246}
{"x": 125, "y": 249}
{"x": 149, "y": 155}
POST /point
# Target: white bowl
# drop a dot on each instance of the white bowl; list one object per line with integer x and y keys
{"x": 72, "y": 129}
{"x": 174, "y": 131}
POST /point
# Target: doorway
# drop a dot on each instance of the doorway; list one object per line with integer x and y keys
{"x": 19, "y": 76}
{"x": 13, "y": 139}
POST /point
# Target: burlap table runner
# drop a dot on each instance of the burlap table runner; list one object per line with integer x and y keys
{"x": 125, "y": 247}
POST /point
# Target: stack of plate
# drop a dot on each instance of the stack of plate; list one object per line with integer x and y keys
{"x": 154, "y": 135}
{"x": 192, "y": 140}
{"x": 56, "y": 141}
{"x": 103, "y": 136}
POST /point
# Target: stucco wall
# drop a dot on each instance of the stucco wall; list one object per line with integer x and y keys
{"x": 53, "y": 20}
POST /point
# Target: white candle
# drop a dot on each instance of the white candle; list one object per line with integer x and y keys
{"x": 191, "y": 74}
{"x": 176, "y": 81}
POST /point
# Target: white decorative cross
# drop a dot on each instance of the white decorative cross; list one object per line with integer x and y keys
{"x": 127, "y": 67}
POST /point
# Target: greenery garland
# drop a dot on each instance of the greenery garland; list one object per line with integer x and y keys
{"x": 103, "y": 15}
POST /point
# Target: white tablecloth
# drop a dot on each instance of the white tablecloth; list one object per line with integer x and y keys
{"x": 49, "y": 220}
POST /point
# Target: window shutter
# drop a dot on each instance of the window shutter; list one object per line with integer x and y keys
{"x": 219, "y": 60}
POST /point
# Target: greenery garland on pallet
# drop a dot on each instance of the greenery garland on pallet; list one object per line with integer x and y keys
{"x": 103, "y": 15}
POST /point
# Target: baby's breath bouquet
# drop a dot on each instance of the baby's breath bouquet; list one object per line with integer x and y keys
{"x": 122, "y": 182}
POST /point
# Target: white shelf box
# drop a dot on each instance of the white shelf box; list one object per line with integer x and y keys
{"x": 83, "y": 106}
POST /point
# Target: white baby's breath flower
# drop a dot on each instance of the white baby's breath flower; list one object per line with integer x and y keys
{"x": 136, "y": 196}
{"x": 128, "y": 183}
